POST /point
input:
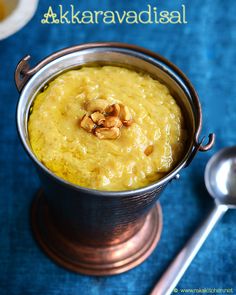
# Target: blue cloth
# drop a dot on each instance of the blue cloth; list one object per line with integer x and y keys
{"x": 205, "y": 50}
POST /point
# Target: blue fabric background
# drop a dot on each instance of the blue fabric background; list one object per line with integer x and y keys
{"x": 205, "y": 50}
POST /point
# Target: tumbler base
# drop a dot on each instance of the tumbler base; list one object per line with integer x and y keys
{"x": 98, "y": 261}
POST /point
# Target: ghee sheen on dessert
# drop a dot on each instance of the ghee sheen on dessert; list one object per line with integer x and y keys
{"x": 107, "y": 128}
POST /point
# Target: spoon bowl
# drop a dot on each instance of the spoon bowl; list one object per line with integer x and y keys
{"x": 220, "y": 177}
{"x": 220, "y": 181}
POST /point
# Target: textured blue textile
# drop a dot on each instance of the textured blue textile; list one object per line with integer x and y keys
{"x": 205, "y": 50}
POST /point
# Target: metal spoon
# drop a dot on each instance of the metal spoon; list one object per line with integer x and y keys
{"x": 220, "y": 180}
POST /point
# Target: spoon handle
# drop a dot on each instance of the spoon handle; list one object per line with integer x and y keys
{"x": 177, "y": 268}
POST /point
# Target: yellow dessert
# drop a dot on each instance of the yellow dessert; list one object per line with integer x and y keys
{"x": 2, "y": 11}
{"x": 107, "y": 128}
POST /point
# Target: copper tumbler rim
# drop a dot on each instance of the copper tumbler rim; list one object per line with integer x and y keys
{"x": 24, "y": 74}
